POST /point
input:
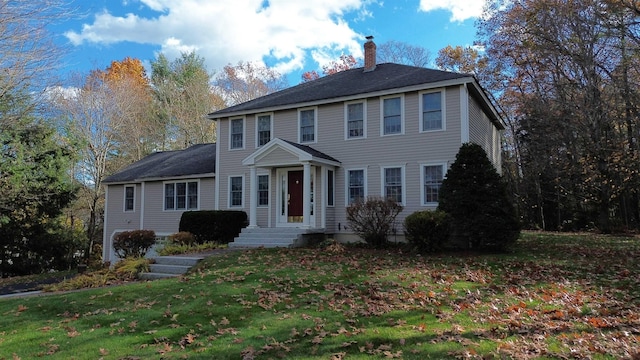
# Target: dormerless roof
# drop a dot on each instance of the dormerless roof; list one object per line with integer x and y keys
{"x": 346, "y": 83}
{"x": 196, "y": 160}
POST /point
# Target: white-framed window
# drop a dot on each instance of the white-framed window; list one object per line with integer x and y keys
{"x": 263, "y": 190}
{"x": 392, "y": 110}
{"x": 393, "y": 183}
{"x": 307, "y": 121}
{"x": 356, "y": 185}
{"x": 432, "y": 110}
{"x": 129, "y": 197}
{"x": 181, "y": 195}
{"x": 236, "y": 133}
{"x": 236, "y": 191}
{"x": 331, "y": 188}
{"x": 264, "y": 129}
{"x": 355, "y": 120}
{"x": 431, "y": 176}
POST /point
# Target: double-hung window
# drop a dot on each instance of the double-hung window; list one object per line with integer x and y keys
{"x": 307, "y": 125}
{"x": 181, "y": 195}
{"x": 235, "y": 191}
{"x": 264, "y": 129}
{"x": 236, "y": 140}
{"x": 263, "y": 190}
{"x": 356, "y": 184}
{"x": 432, "y": 111}
{"x": 432, "y": 176}
{"x": 355, "y": 120}
{"x": 393, "y": 180}
{"x": 331, "y": 178}
{"x": 392, "y": 115}
{"x": 129, "y": 198}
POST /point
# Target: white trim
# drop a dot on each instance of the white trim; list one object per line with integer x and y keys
{"x": 142, "y": 207}
{"x": 402, "y": 117}
{"x": 244, "y": 131}
{"x": 315, "y": 125}
{"x": 105, "y": 239}
{"x": 216, "y": 186}
{"x": 257, "y": 133}
{"x": 346, "y": 183}
{"x": 124, "y": 195}
{"x": 464, "y": 115}
{"x": 402, "y": 180}
{"x": 443, "y": 109}
{"x": 229, "y": 192}
{"x": 421, "y": 169}
{"x": 364, "y": 119}
{"x": 298, "y": 154}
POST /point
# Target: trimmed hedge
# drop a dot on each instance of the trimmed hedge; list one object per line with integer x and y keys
{"x": 220, "y": 226}
{"x": 133, "y": 243}
{"x": 428, "y": 230}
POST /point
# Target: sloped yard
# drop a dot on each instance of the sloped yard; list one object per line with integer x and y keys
{"x": 555, "y": 296}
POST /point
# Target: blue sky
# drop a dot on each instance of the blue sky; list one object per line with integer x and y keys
{"x": 290, "y": 35}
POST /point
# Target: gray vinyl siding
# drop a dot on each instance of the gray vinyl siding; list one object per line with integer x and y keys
{"x": 373, "y": 152}
{"x": 168, "y": 221}
{"x": 118, "y": 220}
{"x": 484, "y": 133}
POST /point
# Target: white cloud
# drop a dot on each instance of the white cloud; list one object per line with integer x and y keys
{"x": 460, "y": 9}
{"x": 227, "y": 31}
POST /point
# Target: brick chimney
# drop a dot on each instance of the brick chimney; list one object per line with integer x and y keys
{"x": 369, "y": 54}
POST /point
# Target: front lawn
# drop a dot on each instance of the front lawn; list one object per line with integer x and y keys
{"x": 555, "y": 296}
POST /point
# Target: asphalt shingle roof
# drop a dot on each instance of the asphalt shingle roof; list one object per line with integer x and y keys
{"x": 346, "y": 83}
{"x": 312, "y": 151}
{"x": 195, "y": 160}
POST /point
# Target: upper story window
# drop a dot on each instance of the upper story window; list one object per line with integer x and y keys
{"x": 431, "y": 176}
{"x": 307, "y": 125}
{"x": 263, "y": 190}
{"x": 264, "y": 130}
{"x": 236, "y": 140}
{"x": 235, "y": 191}
{"x": 355, "y": 120}
{"x": 432, "y": 110}
{"x": 392, "y": 115}
{"x": 393, "y": 181}
{"x": 356, "y": 185}
{"x": 181, "y": 195}
{"x": 129, "y": 197}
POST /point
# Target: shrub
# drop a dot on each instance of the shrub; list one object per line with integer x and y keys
{"x": 373, "y": 219}
{"x": 133, "y": 243}
{"x": 213, "y": 225}
{"x": 427, "y": 231}
{"x": 475, "y": 196}
{"x": 182, "y": 238}
{"x": 174, "y": 249}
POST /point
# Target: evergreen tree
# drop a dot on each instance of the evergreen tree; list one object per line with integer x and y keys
{"x": 475, "y": 196}
{"x": 35, "y": 188}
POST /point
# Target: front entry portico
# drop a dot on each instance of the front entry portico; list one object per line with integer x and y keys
{"x": 295, "y": 168}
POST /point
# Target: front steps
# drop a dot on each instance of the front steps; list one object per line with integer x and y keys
{"x": 274, "y": 237}
{"x": 170, "y": 266}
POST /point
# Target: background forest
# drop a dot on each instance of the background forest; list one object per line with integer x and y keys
{"x": 563, "y": 74}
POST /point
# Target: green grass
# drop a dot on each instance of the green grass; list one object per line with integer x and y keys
{"x": 554, "y": 296}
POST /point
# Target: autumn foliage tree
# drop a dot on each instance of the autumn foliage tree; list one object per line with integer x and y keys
{"x": 569, "y": 76}
{"x": 246, "y": 81}
{"x": 345, "y": 62}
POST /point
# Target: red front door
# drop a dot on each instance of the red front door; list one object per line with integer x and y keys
{"x": 294, "y": 205}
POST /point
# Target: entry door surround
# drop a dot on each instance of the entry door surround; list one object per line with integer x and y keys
{"x": 290, "y": 206}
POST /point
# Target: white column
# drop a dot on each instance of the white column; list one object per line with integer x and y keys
{"x": 253, "y": 197}
{"x": 306, "y": 195}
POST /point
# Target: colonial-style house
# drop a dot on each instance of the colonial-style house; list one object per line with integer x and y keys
{"x": 154, "y": 192}
{"x": 294, "y": 160}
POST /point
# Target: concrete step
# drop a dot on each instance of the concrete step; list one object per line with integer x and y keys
{"x": 266, "y": 237}
{"x": 169, "y": 266}
{"x": 156, "y": 276}
{"x": 169, "y": 269}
